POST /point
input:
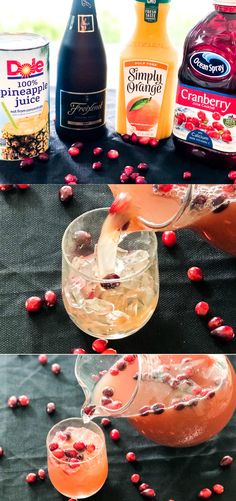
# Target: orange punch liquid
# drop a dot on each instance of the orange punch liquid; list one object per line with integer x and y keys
{"x": 148, "y": 75}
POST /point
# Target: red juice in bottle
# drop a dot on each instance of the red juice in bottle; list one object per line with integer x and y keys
{"x": 205, "y": 114}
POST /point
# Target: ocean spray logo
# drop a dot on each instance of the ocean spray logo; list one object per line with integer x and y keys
{"x": 210, "y": 65}
{"x": 16, "y": 70}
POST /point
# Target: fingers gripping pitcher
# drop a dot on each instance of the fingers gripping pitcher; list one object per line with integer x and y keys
{"x": 205, "y": 114}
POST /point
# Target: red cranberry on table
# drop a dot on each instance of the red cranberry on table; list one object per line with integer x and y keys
{"x": 23, "y": 401}
{"x": 110, "y": 351}
{"x": 105, "y": 422}
{"x": 6, "y": 187}
{"x": 128, "y": 170}
{"x": 140, "y": 180}
{"x": 187, "y": 175}
{"x": 202, "y": 308}
{"x": 169, "y": 238}
{"x": 31, "y": 478}
{"x": 43, "y": 157}
{"x": 12, "y": 402}
{"x": 50, "y": 408}
{"x": 195, "y": 274}
{"x": 27, "y": 163}
{"x": 143, "y": 167}
{"x": 74, "y": 151}
{"x": 135, "y": 478}
{"x": 97, "y": 166}
{"x": 33, "y": 304}
{"x": 56, "y": 368}
{"x": 43, "y": 359}
{"x": 215, "y": 322}
{"x": 149, "y": 493}
{"x": 153, "y": 142}
{"x": 218, "y": 489}
{"x": 144, "y": 140}
{"x": 226, "y": 461}
{"x": 71, "y": 179}
{"x": 131, "y": 457}
{"x": 205, "y": 493}
{"x": 143, "y": 487}
{"x": 79, "y": 351}
{"x": 124, "y": 178}
{"x": 113, "y": 154}
{"x": 115, "y": 434}
{"x": 41, "y": 474}
{"x": 50, "y": 298}
{"x": 99, "y": 345}
{"x": 78, "y": 144}
{"x": 225, "y": 332}
{"x": 97, "y": 151}
{"x": 23, "y": 186}
{"x": 65, "y": 194}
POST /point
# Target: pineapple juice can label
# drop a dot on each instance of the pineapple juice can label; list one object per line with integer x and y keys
{"x": 24, "y": 95}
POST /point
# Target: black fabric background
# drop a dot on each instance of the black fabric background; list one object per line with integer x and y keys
{"x": 31, "y": 228}
{"x": 178, "y": 474}
{"x": 165, "y": 165}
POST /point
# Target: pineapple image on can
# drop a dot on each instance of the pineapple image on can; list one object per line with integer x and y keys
{"x": 24, "y": 96}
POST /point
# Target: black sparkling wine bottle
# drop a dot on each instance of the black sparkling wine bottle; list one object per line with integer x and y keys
{"x": 82, "y": 76}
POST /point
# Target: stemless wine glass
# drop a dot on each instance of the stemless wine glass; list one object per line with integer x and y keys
{"x": 75, "y": 471}
{"x": 121, "y": 305}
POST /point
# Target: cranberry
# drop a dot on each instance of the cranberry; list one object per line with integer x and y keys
{"x": 205, "y": 493}
{"x": 195, "y": 274}
{"x": 71, "y": 179}
{"x": 130, "y": 358}
{"x": 232, "y": 175}
{"x": 65, "y": 194}
{"x": 6, "y": 187}
{"x": 158, "y": 408}
{"x": 110, "y": 351}
{"x": 89, "y": 410}
{"x": 115, "y": 434}
{"x": 33, "y": 304}
{"x": 226, "y": 137}
{"x": 115, "y": 405}
{"x": 113, "y": 154}
{"x": 24, "y": 401}
{"x": 144, "y": 140}
{"x": 112, "y": 277}
{"x": 225, "y": 332}
{"x": 70, "y": 453}
{"x": 97, "y": 165}
{"x": 106, "y": 401}
{"x": 202, "y": 115}
{"x": 128, "y": 170}
{"x": 202, "y": 308}
{"x": 153, "y": 143}
{"x": 79, "y": 351}
{"x": 108, "y": 392}
{"x": 50, "y": 298}
{"x": 74, "y": 463}
{"x": 99, "y": 345}
{"x": 56, "y": 368}
{"x": 12, "y": 402}
{"x": 135, "y": 478}
{"x": 218, "y": 489}
{"x": 90, "y": 448}
{"x": 165, "y": 188}
{"x": 41, "y": 474}
{"x": 134, "y": 138}
{"x": 105, "y": 422}
{"x": 43, "y": 157}
{"x": 143, "y": 487}
{"x": 114, "y": 371}
{"x": 27, "y": 163}
{"x": 131, "y": 457}
{"x": 51, "y": 407}
{"x": 149, "y": 493}
{"x": 169, "y": 238}
{"x": 226, "y": 461}
{"x": 121, "y": 365}
{"x": 216, "y": 116}
{"x": 1, "y": 452}
{"x": 43, "y": 359}
{"x": 73, "y": 151}
{"x": 126, "y": 138}
{"x": 124, "y": 178}
{"x": 140, "y": 180}
{"x": 143, "y": 167}
{"x": 58, "y": 453}
{"x": 79, "y": 446}
{"x": 134, "y": 176}
{"x": 82, "y": 238}
{"x": 187, "y": 175}
{"x": 97, "y": 151}
{"x": 31, "y": 478}
{"x": 78, "y": 144}
{"x": 53, "y": 446}
{"x": 23, "y": 186}
{"x": 189, "y": 126}
{"x": 145, "y": 410}
{"x": 215, "y": 322}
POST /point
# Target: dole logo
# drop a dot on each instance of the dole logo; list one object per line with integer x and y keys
{"x": 17, "y": 70}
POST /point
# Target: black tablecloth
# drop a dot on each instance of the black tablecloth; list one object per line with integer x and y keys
{"x": 177, "y": 474}
{"x": 165, "y": 165}
{"x": 32, "y": 224}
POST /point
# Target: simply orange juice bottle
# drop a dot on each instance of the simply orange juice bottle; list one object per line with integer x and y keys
{"x": 148, "y": 75}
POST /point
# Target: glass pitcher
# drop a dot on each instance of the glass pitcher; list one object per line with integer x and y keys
{"x": 210, "y": 210}
{"x": 174, "y": 400}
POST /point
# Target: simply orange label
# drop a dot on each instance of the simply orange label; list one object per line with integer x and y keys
{"x": 144, "y": 90}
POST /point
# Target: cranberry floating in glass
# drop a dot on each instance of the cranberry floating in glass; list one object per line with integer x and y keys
{"x": 110, "y": 280}
{"x": 174, "y": 400}
{"x": 209, "y": 210}
{"x": 77, "y": 458}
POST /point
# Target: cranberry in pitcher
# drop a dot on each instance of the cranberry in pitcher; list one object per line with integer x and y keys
{"x": 205, "y": 114}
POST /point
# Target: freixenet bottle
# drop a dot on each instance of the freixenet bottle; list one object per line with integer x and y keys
{"x": 205, "y": 115}
{"x": 82, "y": 76}
{"x": 148, "y": 75}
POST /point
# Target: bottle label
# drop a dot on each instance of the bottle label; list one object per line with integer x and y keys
{"x": 86, "y": 24}
{"x": 82, "y": 111}
{"x": 151, "y": 11}
{"x": 206, "y": 118}
{"x": 209, "y": 64}
{"x": 145, "y": 83}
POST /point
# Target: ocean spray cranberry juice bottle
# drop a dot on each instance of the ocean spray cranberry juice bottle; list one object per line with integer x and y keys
{"x": 205, "y": 114}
